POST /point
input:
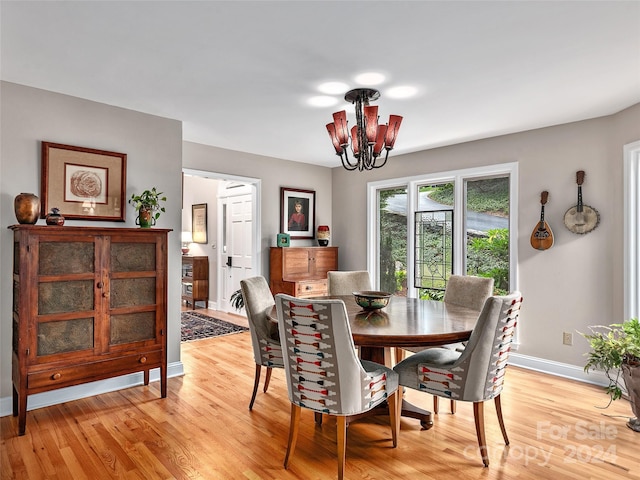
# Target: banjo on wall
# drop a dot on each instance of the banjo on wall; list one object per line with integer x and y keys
{"x": 582, "y": 218}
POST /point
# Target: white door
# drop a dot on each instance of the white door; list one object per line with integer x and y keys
{"x": 236, "y": 254}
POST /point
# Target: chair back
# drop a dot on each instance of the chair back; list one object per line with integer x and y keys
{"x": 258, "y": 302}
{"x": 468, "y": 291}
{"x": 478, "y": 374}
{"x": 345, "y": 283}
{"x": 322, "y": 370}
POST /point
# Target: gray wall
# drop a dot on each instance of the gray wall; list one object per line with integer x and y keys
{"x": 154, "y": 158}
{"x": 576, "y": 283}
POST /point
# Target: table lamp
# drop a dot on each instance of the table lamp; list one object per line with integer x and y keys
{"x": 187, "y": 239}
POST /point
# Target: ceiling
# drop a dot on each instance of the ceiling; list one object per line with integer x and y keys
{"x": 239, "y": 74}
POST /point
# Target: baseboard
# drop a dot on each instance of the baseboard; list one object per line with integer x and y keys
{"x": 558, "y": 369}
{"x": 77, "y": 392}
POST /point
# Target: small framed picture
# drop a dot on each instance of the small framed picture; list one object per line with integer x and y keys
{"x": 199, "y": 223}
{"x": 298, "y": 212}
{"x": 284, "y": 240}
{"x": 83, "y": 183}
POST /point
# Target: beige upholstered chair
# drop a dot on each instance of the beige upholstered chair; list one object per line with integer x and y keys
{"x": 345, "y": 283}
{"x": 323, "y": 373}
{"x": 258, "y": 302}
{"x": 466, "y": 291}
{"x": 475, "y": 374}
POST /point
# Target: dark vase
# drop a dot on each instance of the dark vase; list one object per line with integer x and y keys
{"x": 27, "y": 208}
{"x": 54, "y": 218}
{"x": 323, "y": 235}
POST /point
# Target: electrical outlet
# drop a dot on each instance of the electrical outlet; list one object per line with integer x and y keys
{"x": 567, "y": 338}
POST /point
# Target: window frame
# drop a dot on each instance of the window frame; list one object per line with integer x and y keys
{"x": 457, "y": 177}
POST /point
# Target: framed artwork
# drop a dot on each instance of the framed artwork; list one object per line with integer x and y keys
{"x": 298, "y": 212}
{"x": 83, "y": 183}
{"x": 199, "y": 223}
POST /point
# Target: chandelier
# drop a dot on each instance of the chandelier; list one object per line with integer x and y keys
{"x": 368, "y": 138}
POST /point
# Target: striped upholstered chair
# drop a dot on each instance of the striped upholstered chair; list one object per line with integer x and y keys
{"x": 258, "y": 302}
{"x": 477, "y": 373}
{"x": 323, "y": 373}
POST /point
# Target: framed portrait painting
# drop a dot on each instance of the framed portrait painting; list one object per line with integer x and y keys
{"x": 84, "y": 183}
{"x": 298, "y": 212}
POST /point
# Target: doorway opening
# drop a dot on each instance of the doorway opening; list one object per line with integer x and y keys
{"x": 233, "y": 240}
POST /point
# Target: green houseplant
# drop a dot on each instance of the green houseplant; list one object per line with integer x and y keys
{"x": 237, "y": 300}
{"x": 615, "y": 349}
{"x": 148, "y": 205}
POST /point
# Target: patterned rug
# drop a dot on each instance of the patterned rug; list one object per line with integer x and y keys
{"x": 196, "y": 326}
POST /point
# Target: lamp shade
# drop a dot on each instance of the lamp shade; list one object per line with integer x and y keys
{"x": 187, "y": 237}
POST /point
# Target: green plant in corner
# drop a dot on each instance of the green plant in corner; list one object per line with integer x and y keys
{"x": 615, "y": 349}
{"x": 148, "y": 205}
{"x": 237, "y": 300}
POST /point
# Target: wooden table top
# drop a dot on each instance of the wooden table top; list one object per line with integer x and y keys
{"x": 407, "y": 322}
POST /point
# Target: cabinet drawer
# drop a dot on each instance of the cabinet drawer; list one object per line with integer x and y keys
{"x": 90, "y": 371}
{"x": 311, "y": 288}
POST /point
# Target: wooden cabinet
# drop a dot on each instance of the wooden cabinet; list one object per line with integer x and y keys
{"x": 195, "y": 280}
{"x": 88, "y": 304}
{"x": 301, "y": 271}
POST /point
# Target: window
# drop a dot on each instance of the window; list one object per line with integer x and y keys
{"x": 429, "y": 227}
{"x": 631, "y": 230}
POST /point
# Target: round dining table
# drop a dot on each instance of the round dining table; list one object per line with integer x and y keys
{"x": 404, "y": 322}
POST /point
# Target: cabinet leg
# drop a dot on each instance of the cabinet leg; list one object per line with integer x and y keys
{"x": 146, "y": 377}
{"x": 163, "y": 381}
{"x": 15, "y": 402}
{"x": 22, "y": 413}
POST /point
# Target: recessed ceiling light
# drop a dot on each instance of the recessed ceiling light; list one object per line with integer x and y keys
{"x": 401, "y": 92}
{"x": 332, "y": 88}
{"x": 370, "y": 78}
{"x": 322, "y": 101}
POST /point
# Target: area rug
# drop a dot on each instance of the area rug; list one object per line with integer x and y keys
{"x": 196, "y": 326}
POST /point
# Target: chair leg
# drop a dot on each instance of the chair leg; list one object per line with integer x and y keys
{"x": 435, "y": 404}
{"x": 453, "y": 406}
{"x": 400, "y": 354}
{"x": 293, "y": 433}
{"x": 500, "y": 419}
{"x": 256, "y": 381}
{"x": 342, "y": 445}
{"x": 267, "y": 379}
{"x": 318, "y": 418}
{"x": 478, "y": 414}
{"x": 394, "y": 415}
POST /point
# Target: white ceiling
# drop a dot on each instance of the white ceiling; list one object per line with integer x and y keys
{"x": 239, "y": 74}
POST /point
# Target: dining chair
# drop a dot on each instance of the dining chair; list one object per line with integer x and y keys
{"x": 258, "y": 302}
{"x": 466, "y": 291}
{"x": 347, "y": 282}
{"x": 475, "y": 374}
{"x": 323, "y": 372}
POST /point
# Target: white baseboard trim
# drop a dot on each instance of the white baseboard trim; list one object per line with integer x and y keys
{"x": 565, "y": 370}
{"x": 77, "y": 392}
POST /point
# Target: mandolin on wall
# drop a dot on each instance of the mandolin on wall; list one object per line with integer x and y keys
{"x": 581, "y": 218}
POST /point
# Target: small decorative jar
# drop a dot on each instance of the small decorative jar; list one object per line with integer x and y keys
{"x": 323, "y": 235}
{"x": 27, "y": 208}
{"x": 54, "y": 218}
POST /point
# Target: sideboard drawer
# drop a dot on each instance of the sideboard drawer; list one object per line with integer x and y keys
{"x": 95, "y": 370}
{"x": 311, "y": 288}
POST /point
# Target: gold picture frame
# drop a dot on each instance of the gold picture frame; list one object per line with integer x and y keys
{"x": 83, "y": 183}
{"x": 199, "y": 223}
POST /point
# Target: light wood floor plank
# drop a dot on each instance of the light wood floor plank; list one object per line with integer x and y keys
{"x": 204, "y": 430}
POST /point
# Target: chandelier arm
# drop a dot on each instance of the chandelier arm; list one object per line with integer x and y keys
{"x": 346, "y": 163}
{"x": 384, "y": 161}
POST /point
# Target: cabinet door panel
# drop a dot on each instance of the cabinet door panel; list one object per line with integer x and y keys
{"x": 132, "y": 292}
{"x": 65, "y": 336}
{"x": 133, "y": 257}
{"x": 296, "y": 263}
{"x": 133, "y": 327}
{"x": 60, "y": 258}
{"x": 65, "y": 296}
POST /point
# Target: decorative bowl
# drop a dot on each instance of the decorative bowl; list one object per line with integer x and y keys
{"x": 371, "y": 300}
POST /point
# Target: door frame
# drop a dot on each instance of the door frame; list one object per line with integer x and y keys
{"x": 256, "y": 229}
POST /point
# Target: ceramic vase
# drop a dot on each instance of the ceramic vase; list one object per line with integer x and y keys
{"x": 323, "y": 235}
{"x": 27, "y": 208}
{"x": 54, "y": 218}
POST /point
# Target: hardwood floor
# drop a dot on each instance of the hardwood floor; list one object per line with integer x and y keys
{"x": 204, "y": 430}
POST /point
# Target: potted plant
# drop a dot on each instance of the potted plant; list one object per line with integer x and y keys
{"x": 237, "y": 300}
{"x": 148, "y": 206}
{"x": 615, "y": 349}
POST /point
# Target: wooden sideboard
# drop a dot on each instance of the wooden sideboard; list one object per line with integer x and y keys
{"x": 88, "y": 304}
{"x": 301, "y": 271}
{"x": 195, "y": 280}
